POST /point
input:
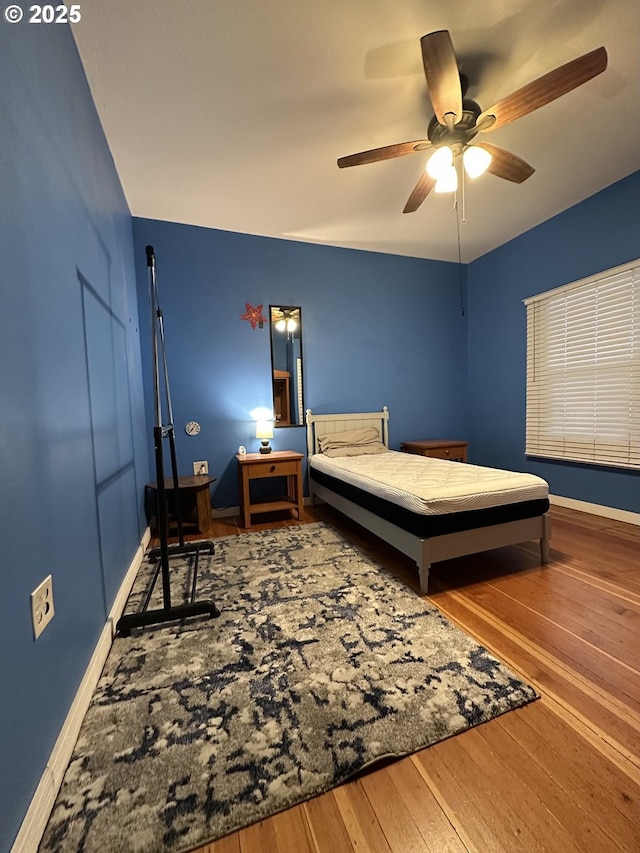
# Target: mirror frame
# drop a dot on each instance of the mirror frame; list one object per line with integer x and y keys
{"x": 285, "y": 385}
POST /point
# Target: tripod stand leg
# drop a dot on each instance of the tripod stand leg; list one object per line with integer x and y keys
{"x": 172, "y": 614}
{"x": 184, "y": 550}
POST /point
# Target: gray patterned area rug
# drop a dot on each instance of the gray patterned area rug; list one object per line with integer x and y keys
{"x": 320, "y": 664}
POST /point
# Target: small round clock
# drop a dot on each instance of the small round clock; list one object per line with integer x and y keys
{"x": 192, "y": 428}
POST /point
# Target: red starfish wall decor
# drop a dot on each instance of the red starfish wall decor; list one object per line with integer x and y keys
{"x": 254, "y": 316}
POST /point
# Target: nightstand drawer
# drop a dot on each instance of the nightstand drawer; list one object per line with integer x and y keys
{"x": 272, "y": 469}
{"x": 443, "y": 452}
{"x": 437, "y": 449}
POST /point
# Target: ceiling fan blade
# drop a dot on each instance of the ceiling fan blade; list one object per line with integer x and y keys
{"x": 546, "y": 89}
{"x": 419, "y": 193}
{"x": 506, "y": 165}
{"x": 386, "y": 153}
{"x": 443, "y": 77}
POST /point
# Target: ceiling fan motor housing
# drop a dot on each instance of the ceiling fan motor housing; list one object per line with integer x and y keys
{"x": 463, "y": 131}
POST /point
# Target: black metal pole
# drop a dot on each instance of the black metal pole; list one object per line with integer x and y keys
{"x": 167, "y": 613}
{"x": 163, "y": 517}
{"x": 170, "y": 432}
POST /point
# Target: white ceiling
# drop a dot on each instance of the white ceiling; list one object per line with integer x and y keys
{"x": 231, "y": 115}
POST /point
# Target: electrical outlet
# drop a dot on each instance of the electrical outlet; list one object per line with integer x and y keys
{"x": 200, "y": 467}
{"x": 42, "y": 609}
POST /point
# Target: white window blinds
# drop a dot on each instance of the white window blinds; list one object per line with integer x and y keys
{"x": 583, "y": 370}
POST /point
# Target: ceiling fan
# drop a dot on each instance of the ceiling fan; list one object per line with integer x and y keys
{"x": 457, "y": 119}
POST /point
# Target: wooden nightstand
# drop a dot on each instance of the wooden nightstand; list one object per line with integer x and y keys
{"x": 258, "y": 466}
{"x": 439, "y": 448}
{"x": 194, "y": 493}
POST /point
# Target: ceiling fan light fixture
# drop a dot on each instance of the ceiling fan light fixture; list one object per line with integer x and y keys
{"x": 447, "y": 182}
{"x": 440, "y": 162}
{"x": 476, "y": 161}
{"x": 286, "y": 323}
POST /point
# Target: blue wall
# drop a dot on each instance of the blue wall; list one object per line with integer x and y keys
{"x": 73, "y": 446}
{"x": 376, "y": 330}
{"x": 597, "y": 234}
{"x": 74, "y": 449}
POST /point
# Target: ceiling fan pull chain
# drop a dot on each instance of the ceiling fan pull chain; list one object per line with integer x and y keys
{"x": 459, "y": 244}
{"x": 464, "y": 217}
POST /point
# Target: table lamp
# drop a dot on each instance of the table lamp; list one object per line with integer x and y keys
{"x": 264, "y": 430}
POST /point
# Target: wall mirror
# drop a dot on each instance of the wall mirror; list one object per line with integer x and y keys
{"x": 286, "y": 364}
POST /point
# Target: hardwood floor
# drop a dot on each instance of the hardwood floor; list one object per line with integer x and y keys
{"x": 561, "y": 774}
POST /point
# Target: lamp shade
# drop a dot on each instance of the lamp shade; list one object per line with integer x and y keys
{"x": 448, "y": 181}
{"x": 264, "y": 429}
{"x": 476, "y": 161}
{"x": 439, "y": 162}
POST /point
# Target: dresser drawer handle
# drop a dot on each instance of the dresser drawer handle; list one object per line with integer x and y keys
{"x": 272, "y": 469}
{"x": 447, "y": 452}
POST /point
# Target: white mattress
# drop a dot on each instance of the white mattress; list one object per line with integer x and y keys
{"x": 432, "y": 486}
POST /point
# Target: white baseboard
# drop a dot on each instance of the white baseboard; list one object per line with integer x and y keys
{"x": 35, "y": 821}
{"x": 597, "y": 509}
{"x": 225, "y": 512}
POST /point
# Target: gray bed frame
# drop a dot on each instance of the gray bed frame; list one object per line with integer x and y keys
{"x": 423, "y": 551}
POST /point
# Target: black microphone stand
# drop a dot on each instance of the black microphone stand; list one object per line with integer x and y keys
{"x": 168, "y": 612}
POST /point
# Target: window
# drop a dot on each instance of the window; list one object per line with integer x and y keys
{"x": 583, "y": 370}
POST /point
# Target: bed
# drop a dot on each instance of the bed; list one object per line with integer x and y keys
{"x": 429, "y": 509}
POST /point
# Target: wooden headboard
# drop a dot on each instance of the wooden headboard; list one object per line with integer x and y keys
{"x": 325, "y": 424}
